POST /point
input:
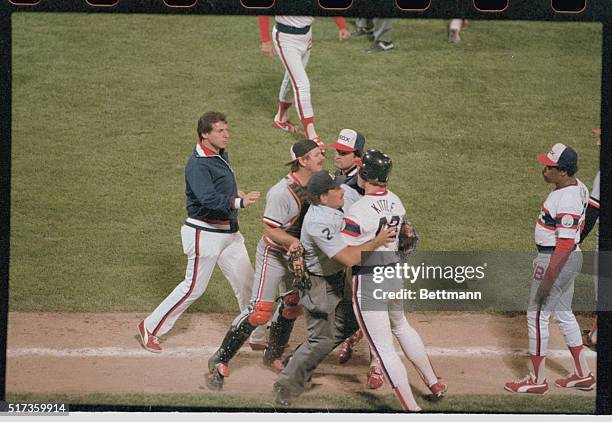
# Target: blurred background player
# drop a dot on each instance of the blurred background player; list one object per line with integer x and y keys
{"x": 286, "y": 206}
{"x": 454, "y": 28}
{"x": 592, "y": 217}
{"x": 383, "y": 319}
{"x": 292, "y": 40}
{"x": 559, "y": 260}
{"x": 378, "y": 30}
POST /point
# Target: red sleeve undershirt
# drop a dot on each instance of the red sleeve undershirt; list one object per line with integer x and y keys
{"x": 557, "y": 260}
{"x": 264, "y": 28}
{"x": 340, "y": 22}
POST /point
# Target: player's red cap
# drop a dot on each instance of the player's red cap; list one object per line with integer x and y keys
{"x": 559, "y": 156}
{"x": 349, "y": 140}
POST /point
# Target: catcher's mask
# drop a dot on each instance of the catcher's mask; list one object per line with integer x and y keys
{"x": 376, "y": 165}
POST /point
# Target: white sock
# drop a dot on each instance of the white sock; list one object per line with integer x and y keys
{"x": 455, "y": 24}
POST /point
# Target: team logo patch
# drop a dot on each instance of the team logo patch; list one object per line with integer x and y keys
{"x": 567, "y": 221}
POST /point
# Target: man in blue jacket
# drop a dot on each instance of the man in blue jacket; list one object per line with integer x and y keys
{"x": 210, "y": 234}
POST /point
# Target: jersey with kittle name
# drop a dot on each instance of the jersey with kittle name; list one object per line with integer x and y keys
{"x": 370, "y": 214}
{"x": 295, "y": 21}
{"x": 562, "y": 215}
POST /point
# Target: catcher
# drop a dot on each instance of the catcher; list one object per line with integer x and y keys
{"x": 320, "y": 278}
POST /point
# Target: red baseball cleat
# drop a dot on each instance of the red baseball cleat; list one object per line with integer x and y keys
{"x": 375, "y": 378}
{"x": 346, "y": 352}
{"x": 438, "y": 389}
{"x": 287, "y": 126}
{"x": 574, "y": 381}
{"x": 148, "y": 340}
{"x": 527, "y": 385}
{"x": 317, "y": 140}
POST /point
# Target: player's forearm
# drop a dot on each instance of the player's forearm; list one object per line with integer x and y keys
{"x": 348, "y": 256}
{"x": 279, "y": 236}
{"x": 218, "y": 202}
{"x": 557, "y": 260}
{"x": 351, "y": 255}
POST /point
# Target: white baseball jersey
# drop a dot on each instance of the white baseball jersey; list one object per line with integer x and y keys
{"x": 295, "y": 21}
{"x": 370, "y": 214}
{"x": 562, "y": 215}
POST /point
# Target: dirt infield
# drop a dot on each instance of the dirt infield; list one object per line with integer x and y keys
{"x": 79, "y": 354}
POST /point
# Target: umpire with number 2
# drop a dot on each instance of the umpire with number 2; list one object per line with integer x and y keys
{"x": 329, "y": 313}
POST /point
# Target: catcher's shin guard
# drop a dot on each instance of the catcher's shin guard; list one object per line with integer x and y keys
{"x": 280, "y": 331}
{"x": 236, "y": 336}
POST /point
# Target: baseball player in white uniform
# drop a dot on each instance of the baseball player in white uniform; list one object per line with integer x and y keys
{"x": 592, "y": 217}
{"x": 349, "y": 147}
{"x": 559, "y": 260}
{"x": 292, "y": 40}
{"x": 210, "y": 234}
{"x": 382, "y": 319}
{"x": 286, "y": 206}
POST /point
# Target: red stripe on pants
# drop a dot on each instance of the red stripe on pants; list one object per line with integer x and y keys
{"x": 264, "y": 268}
{"x": 295, "y": 88}
{"x": 538, "y": 340}
{"x": 363, "y": 327}
{"x": 193, "y": 282}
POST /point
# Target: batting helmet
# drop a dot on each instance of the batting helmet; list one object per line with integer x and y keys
{"x": 376, "y": 166}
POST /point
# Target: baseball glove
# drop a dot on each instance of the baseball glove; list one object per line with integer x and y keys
{"x": 301, "y": 280}
{"x": 408, "y": 239}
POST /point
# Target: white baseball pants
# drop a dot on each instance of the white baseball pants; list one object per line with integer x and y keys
{"x": 558, "y": 304}
{"x": 294, "y": 52}
{"x": 204, "y": 249}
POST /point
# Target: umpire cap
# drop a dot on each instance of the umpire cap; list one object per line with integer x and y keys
{"x": 376, "y": 166}
{"x": 322, "y": 181}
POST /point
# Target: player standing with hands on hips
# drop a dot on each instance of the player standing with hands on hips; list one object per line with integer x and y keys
{"x": 382, "y": 319}
{"x": 210, "y": 234}
{"x": 559, "y": 260}
{"x": 292, "y": 39}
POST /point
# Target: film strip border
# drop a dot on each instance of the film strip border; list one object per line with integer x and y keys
{"x": 564, "y": 10}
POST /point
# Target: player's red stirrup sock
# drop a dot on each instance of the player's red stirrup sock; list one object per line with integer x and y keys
{"x": 281, "y": 115}
{"x": 538, "y": 363}
{"x": 308, "y": 123}
{"x": 582, "y": 367}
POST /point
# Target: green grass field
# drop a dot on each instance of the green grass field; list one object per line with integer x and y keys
{"x": 355, "y": 402}
{"x": 104, "y": 115}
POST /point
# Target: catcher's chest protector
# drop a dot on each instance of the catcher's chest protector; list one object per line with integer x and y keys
{"x": 299, "y": 193}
